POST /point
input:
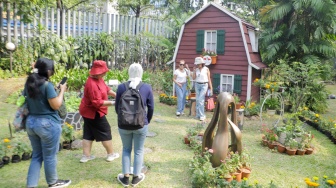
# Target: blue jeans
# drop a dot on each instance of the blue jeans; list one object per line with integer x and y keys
{"x": 44, "y": 135}
{"x": 201, "y": 90}
{"x": 181, "y": 97}
{"x": 128, "y": 137}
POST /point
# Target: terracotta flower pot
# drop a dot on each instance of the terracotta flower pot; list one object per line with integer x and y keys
{"x": 300, "y": 152}
{"x": 271, "y": 145}
{"x": 228, "y": 178}
{"x": 186, "y": 140}
{"x": 290, "y": 151}
{"x": 237, "y": 176}
{"x": 265, "y": 142}
{"x": 246, "y": 173}
{"x": 281, "y": 148}
{"x": 309, "y": 151}
{"x": 213, "y": 59}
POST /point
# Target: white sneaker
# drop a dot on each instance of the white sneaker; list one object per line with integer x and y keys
{"x": 202, "y": 118}
{"x": 85, "y": 159}
{"x": 182, "y": 113}
{"x": 178, "y": 113}
{"x": 111, "y": 157}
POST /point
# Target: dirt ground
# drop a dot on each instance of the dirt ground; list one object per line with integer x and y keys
{"x": 9, "y": 86}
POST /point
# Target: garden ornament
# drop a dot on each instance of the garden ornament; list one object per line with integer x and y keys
{"x": 219, "y": 143}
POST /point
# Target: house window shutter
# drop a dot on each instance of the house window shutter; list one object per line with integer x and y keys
{"x": 237, "y": 84}
{"x": 216, "y": 83}
{"x": 220, "y": 41}
{"x": 199, "y": 41}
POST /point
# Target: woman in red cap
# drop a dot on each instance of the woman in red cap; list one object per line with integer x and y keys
{"x": 93, "y": 108}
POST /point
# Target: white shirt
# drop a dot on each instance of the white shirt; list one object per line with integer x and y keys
{"x": 202, "y": 76}
{"x": 181, "y": 76}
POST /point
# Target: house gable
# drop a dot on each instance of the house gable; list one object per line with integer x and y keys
{"x": 238, "y": 57}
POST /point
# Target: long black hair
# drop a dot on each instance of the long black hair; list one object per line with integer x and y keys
{"x": 43, "y": 69}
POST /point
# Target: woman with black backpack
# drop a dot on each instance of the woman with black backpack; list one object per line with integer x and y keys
{"x": 132, "y": 130}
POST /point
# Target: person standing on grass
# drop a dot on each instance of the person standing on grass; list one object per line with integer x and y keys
{"x": 201, "y": 75}
{"x": 93, "y": 108}
{"x": 43, "y": 123}
{"x": 134, "y": 135}
{"x": 180, "y": 79}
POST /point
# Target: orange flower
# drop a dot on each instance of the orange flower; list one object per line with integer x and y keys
{"x": 330, "y": 182}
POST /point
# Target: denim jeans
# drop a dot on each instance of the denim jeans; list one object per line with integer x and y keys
{"x": 181, "y": 97}
{"x": 128, "y": 138}
{"x": 44, "y": 135}
{"x": 201, "y": 90}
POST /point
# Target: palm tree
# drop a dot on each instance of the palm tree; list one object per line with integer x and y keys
{"x": 298, "y": 30}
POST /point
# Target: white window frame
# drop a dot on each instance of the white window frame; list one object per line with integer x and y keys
{"x": 254, "y": 40}
{"x": 222, "y": 84}
{"x": 210, "y": 40}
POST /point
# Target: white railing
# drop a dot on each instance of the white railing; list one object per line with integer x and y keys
{"x": 75, "y": 23}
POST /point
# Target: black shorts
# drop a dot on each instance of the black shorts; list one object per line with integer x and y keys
{"x": 97, "y": 129}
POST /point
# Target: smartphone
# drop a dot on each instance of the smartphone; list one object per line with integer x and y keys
{"x": 64, "y": 79}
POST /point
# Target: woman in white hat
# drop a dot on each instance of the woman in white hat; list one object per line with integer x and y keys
{"x": 201, "y": 75}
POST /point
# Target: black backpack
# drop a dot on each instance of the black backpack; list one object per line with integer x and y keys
{"x": 131, "y": 110}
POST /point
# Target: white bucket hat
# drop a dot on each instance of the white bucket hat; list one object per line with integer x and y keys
{"x": 199, "y": 60}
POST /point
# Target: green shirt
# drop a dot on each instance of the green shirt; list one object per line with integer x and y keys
{"x": 40, "y": 106}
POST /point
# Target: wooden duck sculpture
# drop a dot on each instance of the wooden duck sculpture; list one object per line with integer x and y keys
{"x": 219, "y": 143}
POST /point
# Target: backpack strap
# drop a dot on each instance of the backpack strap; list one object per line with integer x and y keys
{"x": 137, "y": 88}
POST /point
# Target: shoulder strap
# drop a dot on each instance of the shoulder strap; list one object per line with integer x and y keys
{"x": 139, "y": 85}
{"x": 137, "y": 88}
{"x": 126, "y": 85}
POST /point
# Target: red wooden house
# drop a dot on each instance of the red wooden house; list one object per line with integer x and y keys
{"x": 235, "y": 41}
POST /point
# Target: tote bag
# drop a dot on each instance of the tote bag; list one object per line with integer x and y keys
{"x": 21, "y": 114}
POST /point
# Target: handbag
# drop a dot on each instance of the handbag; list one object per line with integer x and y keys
{"x": 21, "y": 114}
{"x": 210, "y": 104}
{"x": 62, "y": 111}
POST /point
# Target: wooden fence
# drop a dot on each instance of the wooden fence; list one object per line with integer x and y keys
{"x": 75, "y": 23}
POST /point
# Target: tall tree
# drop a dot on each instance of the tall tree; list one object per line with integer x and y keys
{"x": 298, "y": 30}
{"x": 27, "y": 9}
{"x": 137, "y": 6}
{"x": 247, "y": 9}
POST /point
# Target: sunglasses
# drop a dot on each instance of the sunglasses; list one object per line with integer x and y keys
{"x": 181, "y": 64}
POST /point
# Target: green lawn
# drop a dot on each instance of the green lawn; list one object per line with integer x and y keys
{"x": 168, "y": 158}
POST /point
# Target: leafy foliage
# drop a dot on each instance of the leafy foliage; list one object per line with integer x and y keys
{"x": 297, "y": 31}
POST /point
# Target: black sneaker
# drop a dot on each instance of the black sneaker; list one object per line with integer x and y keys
{"x": 61, "y": 183}
{"x": 136, "y": 180}
{"x": 123, "y": 180}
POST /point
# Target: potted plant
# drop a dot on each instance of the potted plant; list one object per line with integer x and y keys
{"x": 272, "y": 104}
{"x": 192, "y": 133}
{"x": 291, "y": 146}
{"x": 245, "y": 160}
{"x": 281, "y": 132}
{"x": 308, "y": 137}
{"x": 68, "y": 134}
{"x": 212, "y": 54}
{"x": 301, "y": 149}
{"x": 251, "y": 108}
{"x": 6, "y": 144}
{"x": 237, "y": 101}
{"x": 272, "y": 138}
